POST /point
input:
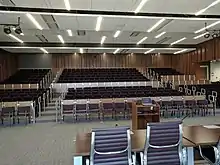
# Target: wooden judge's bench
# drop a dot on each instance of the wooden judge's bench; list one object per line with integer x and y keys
{"x": 142, "y": 114}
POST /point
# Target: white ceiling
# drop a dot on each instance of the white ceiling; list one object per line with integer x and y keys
{"x": 175, "y": 29}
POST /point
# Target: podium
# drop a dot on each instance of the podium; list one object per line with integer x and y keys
{"x": 142, "y": 114}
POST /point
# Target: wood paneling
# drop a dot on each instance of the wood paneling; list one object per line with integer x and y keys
{"x": 188, "y": 62}
{"x": 8, "y": 65}
{"x": 110, "y": 60}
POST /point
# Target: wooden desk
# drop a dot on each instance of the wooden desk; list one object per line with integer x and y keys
{"x": 142, "y": 114}
{"x": 199, "y": 135}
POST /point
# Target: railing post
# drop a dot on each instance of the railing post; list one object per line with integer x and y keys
{"x": 56, "y": 105}
{"x": 33, "y": 111}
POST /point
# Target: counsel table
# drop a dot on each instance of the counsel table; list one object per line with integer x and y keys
{"x": 192, "y": 136}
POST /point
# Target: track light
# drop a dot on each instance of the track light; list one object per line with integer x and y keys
{"x": 207, "y": 35}
{"x": 7, "y": 30}
{"x": 18, "y": 30}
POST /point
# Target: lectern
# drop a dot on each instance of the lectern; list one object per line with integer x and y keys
{"x": 142, "y": 114}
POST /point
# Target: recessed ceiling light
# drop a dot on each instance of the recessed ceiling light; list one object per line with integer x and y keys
{"x": 207, "y": 27}
{"x": 181, "y": 51}
{"x": 103, "y": 39}
{"x": 159, "y": 35}
{"x": 117, "y": 33}
{"x": 139, "y": 7}
{"x": 34, "y": 21}
{"x": 116, "y": 51}
{"x": 142, "y": 40}
{"x": 69, "y": 32}
{"x": 98, "y": 23}
{"x": 211, "y": 5}
{"x": 81, "y": 50}
{"x": 44, "y": 50}
{"x": 151, "y": 50}
{"x": 201, "y": 35}
{"x": 180, "y": 40}
{"x": 67, "y": 4}
{"x": 16, "y": 38}
{"x": 157, "y": 24}
{"x": 60, "y": 38}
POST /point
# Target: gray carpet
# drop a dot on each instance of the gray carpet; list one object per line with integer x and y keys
{"x": 53, "y": 144}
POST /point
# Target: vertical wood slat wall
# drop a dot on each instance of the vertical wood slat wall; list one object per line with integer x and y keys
{"x": 110, "y": 60}
{"x": 8, "y": 65}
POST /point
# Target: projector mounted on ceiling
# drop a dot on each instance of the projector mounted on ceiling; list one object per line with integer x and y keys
{"x": 213, "y": 33}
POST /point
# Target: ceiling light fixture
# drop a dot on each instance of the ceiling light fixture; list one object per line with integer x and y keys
{"x": 181, "y": 51}
{"x": 180, "y": 40}
{"x": 201, "y": 35}
{"x": 207, "y": 27}
{"x": 117, "y": 33}
{"x": 159, "y": 35}
{"x": 81, "y": 50}
{"x": 44, "y": 50}
{"x": 22, "y": 34}
{"x": 7, "y": 30}
{"x": 151, "y": 50}
{"x": 211, "y": 5}
{"x": 103, "y": 39}
{"x": 67, "y": 5}
{"x": 157, "y": 24}
{"x": 98, "y": 23}
{"x": 60, "y": 38}
{"x": 16, "y": 38}
{"x": 139, "y": 7}
{"x": 34, "y": 21}
{"x": 116, "y": 51}
{"x": 69, "y": 32}
{"x": 142, "y": 40}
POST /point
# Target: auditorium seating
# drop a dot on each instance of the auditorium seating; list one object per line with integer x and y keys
{"x": 27, "y": 76}
{"x": 119, "y": 92}
{"x": 164, "y": 144}
{"x": 111, "y": 146}
{"x": 101, "y": 75}
{"x": 164, "y": 71}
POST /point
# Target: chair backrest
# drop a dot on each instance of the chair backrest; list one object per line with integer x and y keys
{"x": 163, "y": 143}
{"x": 111, "y": 145}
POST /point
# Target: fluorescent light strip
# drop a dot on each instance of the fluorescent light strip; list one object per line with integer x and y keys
{"x": 159, "y": 35}
{"x": 103, "y": 39}
{"x": 181, "y": 51}
{"x": 81, "y": 50}
{"x": 151, "y": 50}
{"x": 98, "y": 23}
{"x": 60, "y": 38}
{"x": 44, "y": 50}
{"x": 157, "y": 24}
{"x": 180, "y": 40}
{"x": 142, "y": 3}
{"x": 201, "y": 35}
{"x": 211, "y": 5}
{"x": 67, "y": 5}
{"x": 142, "y": 40}
{"x": 69, "y": 32}
{"x": 34, "y": 21}
{"x": 16, "y": 38}
{"x": 116, "y": 51}
{"x": 117, "y": 33}
{"x": 207, "y": 27}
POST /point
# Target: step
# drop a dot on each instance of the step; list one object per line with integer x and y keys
{"x": 49, "y": 113}
{"x": 50, "y": 108}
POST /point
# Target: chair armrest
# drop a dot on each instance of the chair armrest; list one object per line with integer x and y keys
{"x": 87, "y": 162}
{"x": 133, "y": 160}
{"x": 205, "y": 158}
{"x": 142, "y": 158}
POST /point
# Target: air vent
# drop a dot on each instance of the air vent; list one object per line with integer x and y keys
{"x": 134, "y": 34}
{"x": 7, "y": 2}
{"x": 50, "y": 21}
{"x": 163, "y": 40}
{"x": 42, "y": 38}
{"x": 81, "y": 32}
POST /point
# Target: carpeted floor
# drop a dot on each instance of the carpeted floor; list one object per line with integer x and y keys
{"x": 53, "y": 144}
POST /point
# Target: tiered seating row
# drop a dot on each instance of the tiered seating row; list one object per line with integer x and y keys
{"x": 30, "y": 76}
{"x": 164, "y": 71}
{"x": 119, "y": 92}
{"x": 101, "y": 75}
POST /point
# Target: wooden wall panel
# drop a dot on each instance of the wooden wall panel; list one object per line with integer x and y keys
{"x": 8, "y": 65}
{"x": 110, "y": 60}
